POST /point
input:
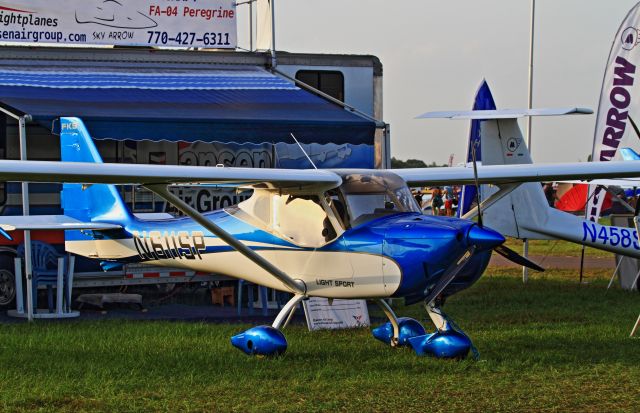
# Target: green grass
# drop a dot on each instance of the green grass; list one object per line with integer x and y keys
{"x": 550, "y": 345}
{"x": 555, "y": 248}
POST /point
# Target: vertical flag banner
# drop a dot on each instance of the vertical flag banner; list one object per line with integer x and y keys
{"x": 263, "y": 22}
{"x": 197, "y": 23}
{"x": 618, "y": 100}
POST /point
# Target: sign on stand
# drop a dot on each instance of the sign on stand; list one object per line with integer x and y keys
{"x": 339, "y": 314}
{"x": 159, "y": 23}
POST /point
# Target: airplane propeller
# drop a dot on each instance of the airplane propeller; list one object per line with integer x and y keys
{"x": 475, "y": 179}
{"x": 635, "y": 127}
{"x": 450, "y": 274}
{"x": 513, "y": 256}
{"x": 501, "y": 249}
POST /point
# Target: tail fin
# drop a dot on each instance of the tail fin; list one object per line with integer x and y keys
{"x": 513, "y": 215}
{"x": 483, "y": 101}
{"x": 91, "y": 203}
{"x": 629, "y": 154}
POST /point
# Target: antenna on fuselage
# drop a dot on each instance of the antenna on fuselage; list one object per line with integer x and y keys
{"x": 303, "y": 151}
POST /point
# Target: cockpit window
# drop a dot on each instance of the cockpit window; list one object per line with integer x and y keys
{"x": 300, "y": 219}
{"x": 371, "y": 195}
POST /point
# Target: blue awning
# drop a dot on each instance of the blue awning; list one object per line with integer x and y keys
{"x": 244, "y": 104}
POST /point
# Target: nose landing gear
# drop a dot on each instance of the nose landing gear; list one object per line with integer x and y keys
{"x": 445, "y": 342}
{"x": 397, "y": 331}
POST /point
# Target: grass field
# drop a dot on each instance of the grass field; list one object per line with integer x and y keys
{"x": 552, "y": 345}
{"x": 555, "y": 248}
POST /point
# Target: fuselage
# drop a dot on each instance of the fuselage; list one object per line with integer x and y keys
{"x": 365, "y": 239}
{"x": 391, "y": 256}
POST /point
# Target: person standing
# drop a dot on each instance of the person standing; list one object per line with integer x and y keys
{"x": 436, "y": 200}
{"x": 418, "y": 197}
{"x": 449, "y": 196}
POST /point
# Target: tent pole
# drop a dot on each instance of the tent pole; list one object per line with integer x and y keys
{"x": 274, "y": 61}
{"x": 525, "y": 270}
{"x": 251, "y": 26}
{"x": 22, "y": 130}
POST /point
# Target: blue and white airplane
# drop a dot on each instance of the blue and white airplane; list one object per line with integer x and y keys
{"x": 325, "y": 233}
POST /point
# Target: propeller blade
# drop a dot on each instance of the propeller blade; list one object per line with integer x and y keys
{"x": 450, "y": 274}
{"x": 513, "y": 256}
{"x": 475, "y": 178}
{"x": 635, "y": 127}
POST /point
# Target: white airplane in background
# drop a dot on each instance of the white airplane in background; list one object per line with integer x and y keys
{"x": 522, "y": 211}
{"x": 325, "y": 233}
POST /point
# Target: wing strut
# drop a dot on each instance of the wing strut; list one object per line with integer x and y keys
{"x": 296, "y": 286}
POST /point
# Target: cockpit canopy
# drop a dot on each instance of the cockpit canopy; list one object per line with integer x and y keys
{"x": 314, "y": 220}
{"x": 369, "y": 195}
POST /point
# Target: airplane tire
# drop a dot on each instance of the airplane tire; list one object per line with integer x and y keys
{"x": 7, "y": 282}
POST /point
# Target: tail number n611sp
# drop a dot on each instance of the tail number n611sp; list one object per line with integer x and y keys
{"x": 169, "y": 245}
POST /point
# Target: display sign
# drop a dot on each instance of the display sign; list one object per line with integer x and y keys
{"x": 322, "y": 315}
{"x": 158, "y": 23}
{"x": 618, "y": 101}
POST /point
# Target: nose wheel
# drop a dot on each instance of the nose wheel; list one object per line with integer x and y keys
{"x": 448, "y": 341}
{"x": 397, "y": 331}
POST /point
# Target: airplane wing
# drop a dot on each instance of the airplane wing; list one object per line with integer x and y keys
{"x": 109, "y": 173}
{"x": 504, "y": 113}
{"x": 133, "y": 174}
{"x": 508, "y": 174}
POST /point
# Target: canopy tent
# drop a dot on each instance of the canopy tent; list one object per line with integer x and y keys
{"x": 239, "y": 104}
{"x": 244, "y": 104}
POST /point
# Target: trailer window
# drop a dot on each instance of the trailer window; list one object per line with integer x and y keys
{"x": 329, "y": 82}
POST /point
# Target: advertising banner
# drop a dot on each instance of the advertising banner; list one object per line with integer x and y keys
{"x": 324, "y": 156}
{"x": 339, "y": 314}
{"x": 618, "y": 100}
{"x": 159, "y": 23}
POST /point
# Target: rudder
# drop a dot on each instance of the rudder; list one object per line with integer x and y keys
{"x": 98, "y": 202}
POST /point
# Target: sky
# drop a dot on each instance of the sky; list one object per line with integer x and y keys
{"x": 435, "y": 54}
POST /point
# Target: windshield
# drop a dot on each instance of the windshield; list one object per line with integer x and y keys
{"x": 369, "y": 196}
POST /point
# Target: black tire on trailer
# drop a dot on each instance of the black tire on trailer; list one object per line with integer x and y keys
{"x": 7, "y": 281}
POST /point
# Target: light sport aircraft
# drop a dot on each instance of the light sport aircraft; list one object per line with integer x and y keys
{"x": 326, "y": 233}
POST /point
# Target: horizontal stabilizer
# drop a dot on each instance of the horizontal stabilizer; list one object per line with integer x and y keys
{"x": 50, "y": 222}
{"x": 505, "y": 113}
{"x": 153, "y": 216}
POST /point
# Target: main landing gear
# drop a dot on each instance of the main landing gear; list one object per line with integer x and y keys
{"x": 445, "y": 342}
{"x": 268, "y": 340}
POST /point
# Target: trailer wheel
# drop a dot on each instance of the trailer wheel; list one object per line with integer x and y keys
{"x": 7, "y": 282}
